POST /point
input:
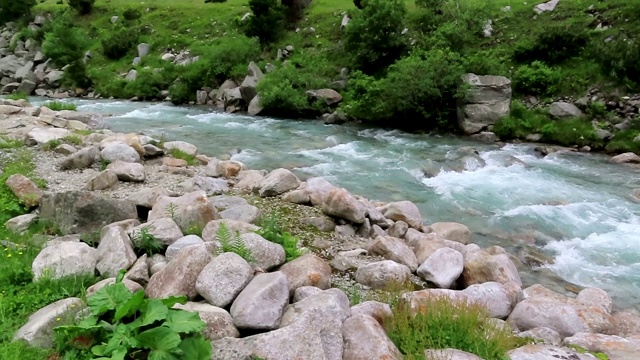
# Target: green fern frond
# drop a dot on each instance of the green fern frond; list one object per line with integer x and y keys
{"x": 230, "y": 242}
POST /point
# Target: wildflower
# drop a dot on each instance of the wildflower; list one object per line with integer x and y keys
{"x": 58, "y": 319}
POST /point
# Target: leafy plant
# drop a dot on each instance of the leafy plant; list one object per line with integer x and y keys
{"x": 536, "y": 79}
{"x": 553, "y": 46}
{"x": 6, "y": 143}
{"x": 119, "y": 43}
{"x": 13, "y": 10}
{"x": 131, "y": 14}
{"x": 66, "y": 45}
{"x": 179, "y": 154}
{"x": 172, "y": 211}
{"x": 59, "y": 106}
{"x": 267, "y": 21}
{"x": 232, "y": 242}
{"x": 103, "y": 164}
{"x": 17, "y": 96}
{"x": 123, "y": 325}
{"x": 83, "y": 7}
{"x": 51, "y": 144}
{"x": 145, "y": 242}
{"x": 273, "y": 231}
{"x": 440, "y": 323}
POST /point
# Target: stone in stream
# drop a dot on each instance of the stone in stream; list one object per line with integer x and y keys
{"x": 404, "y": 211}
{"x": 442, "y": 268}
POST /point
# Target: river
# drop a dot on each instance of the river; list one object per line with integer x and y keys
{"x": 575, "y": 207}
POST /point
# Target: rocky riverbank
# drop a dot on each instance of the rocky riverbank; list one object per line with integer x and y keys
{"x": 112, "y": 185}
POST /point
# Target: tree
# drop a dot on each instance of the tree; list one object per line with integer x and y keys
{"x": 374, "y": 36}
{"x": 66, "y": 45}
{"x": 11, "y": 10}
{"x": 267, "y": 22}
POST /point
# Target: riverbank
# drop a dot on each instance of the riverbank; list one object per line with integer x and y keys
{"x": 352, "y": 239}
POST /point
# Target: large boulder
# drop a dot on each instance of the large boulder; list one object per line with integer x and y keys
{"x": 164, "y": 230}
{"x": 615, "y": 347}
{"x": 39, "y": 329}
{"x": 209, "y": 185}
{"x": 377, "y": 310}
{"x": 260, "y": 305}
{"x": 332, "y": 300}
{"x": 307, "y": 270}
{"x": 328, "y": 96}
{"x": 626, "y": 158}
{"x": 452, "y": 231}
{"x": 248, "y": 87}
{"x": 340, "y": 203}
{"x": 103, "y": 180}
{"x": 189, "y": 210}
{"x": 564, "y": 110}
{"x": 278, "y": 182}
{"x": 245, "y": 213}
{"x": 480, "y": 267}
{"x": 404, "y": 211}
{"x": 267, "y": 255}
{"x": 235, "y": 226}
{"x": 365, "y": 339}
{"x": 182, "y": 146}
{"x": 77, "y": 212}
{"x": 147, "y": 197}
{"x": 218, "y": 322}
{"x": 488, "y": 100}
{"x": 139, "y": 271}
{"x": 21, "y": 223}
{"x": 546, "y": 352}
{"x": 133, "y": 172}
{"x": 492, "y": 296}
{"x": 249, "y": 180}
{"x": 41, "y": 136}
{"x": 120, "y": 151}
{"x": 223, "y": 279}
{"x": 442, "y": 268}
{"x": 65, "y": 258}
{"x": 180, "y": 275}
{"x": 81, "y": 159}
{"x": 382, "y": 274}
{"x": 394, "y": 249}
{"x": 115, "y": 252}
{"x": 24, "y": 189}
{"x": 542, "y": 335}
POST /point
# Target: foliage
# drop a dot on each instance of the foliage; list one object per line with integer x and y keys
{"x": 228, "y": 58}
{"x": 7, "y": 143}
{"x": 621, "y": 61}
{"x": 59, "y": 105}
{"x": 123, "y": 325}
{"x": 179, "y": 154}
{"x": 145, "y": 242}
{"x": 373, "y": 38}
{"x": 17, "y": 96}
{"x": 11, "y": 10}
{"x": 271, "y": 230}
{"x": 119, "y": 43}
{"x": 65, "y": 45}
{"x": 441, "y": 323}
{"x": 571, "y": 132}
{"x": 232, "y": 242}
{"x": 267, "y": 21}
{"x": 283, "y": 91}
{"x": 520, "y": 123}
{"x": 553, "y": 45}
{"x": 192, "y": 77}
{"x": 15, "y": 162}
{"x": 536, "y": 79}
{"x": 623, "y": 141}
{"x": 52, "y": 144}
{"x": 172, "y": 211}
{"x": 426, "y": 100}
{"x": 83, "y": 7}
{"x": 131, "y": 14}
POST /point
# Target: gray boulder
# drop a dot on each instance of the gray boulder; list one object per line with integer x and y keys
{"x": 180, "y": 244}
{"x": 260, "y": 305}
{"x": 164, "y": 230}
{"x": 328, "y": 96}
{"x": 564, "y": 110}
{"x": 133, "y": 172}
{"x": 210, "y": 231}
{"x": 65, "y": 258}
{"x": 394, "y": 249}
{"x": 267, "y": 254}
{"x": 488, "y": 100}
{"x": 102, "y": 181}
{"x": 120, "y": 151}
{"x": 340, "y": 203}
{"x": 39, "y": 329}
{"x": 189, "y": 210}
{"x": 223, "y": 279}
{"x": 81, "y": 159}
{"x": 442, "y": 268}
{"x": 244, "y": 213}
{"x": 115, "y": 252}
{"x": 365, "y": 338}
{"x": 307, "y": 270}
{"x": 209, "y": 185}
{"x": 382, "y": 274}
{"x": 182, "y": 146}
{"x": 248, "y": 87}
{"x": 278, "y": 182}
{"x": 404, "y": 211}
{"x": 218, "y": 322}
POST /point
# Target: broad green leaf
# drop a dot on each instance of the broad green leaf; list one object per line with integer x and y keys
{"x": 195, "y": 348}
{"x": 99, "y": 350}
{"x": 160, "y": 339}
{"x": 109, "y": 298}
{"x": 130, "y": 307}
{"x": 184, "y": 321}
{"x": 172, "y": 300}
{"x": 119, "y": 340}
{"x": 151, "y": 311}
{"x": 162, "y": 355}
{"x": 120, "y": 276}
{"x": 119, "y": 354}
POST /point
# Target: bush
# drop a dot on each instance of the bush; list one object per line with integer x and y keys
{"x": 145, "y": 242}
{"x": 274, "y": 232}
{"x": 374, "y": 36}
{"x": 149, "y": 84}
{"x": 621, "y": 60}
{"x": 228, "y": 58}
{"x": 118, "y": 44}
{"x": 59, "y": 105}
{"x": 419, "y": 91}
{"x": 66, "y": 45}
{"x": 83, "y": 7}
{"x": 131, "y": 14}
{"x": 283, "y": 91}
{"x": 125, "y": 325}
{"x": 536, "y": 79}
{"x": 520, "y": 123}
{"x": 553, "y": 46}
{"x": 11, "y": 10}
{"x": 192, "y": 77}
{"x": 267, "y": 21}
{"x": 441, "y": 323}
{"x": 571, "y": 132}
{"x": 17, "y": 96}
{"x": 623, "y": 142}
{"x": 232, "y": 242}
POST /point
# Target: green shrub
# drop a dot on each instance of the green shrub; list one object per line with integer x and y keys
{"x": 571, "y": 132}
{"x": 51, "y": 144}
{"x": 83, "y": 7}
{"x": 536, "y": 79}
{"x": 59, "y": 105}
{"x": 271, "y": 230}
{"x": 149, "y": 84}
{"x": 597, "y": 109}
{"x": 11, "y": 10}
{"x": 66, "y": 45}
{"x": 553, "y": 46}
{"x": 19, "y": 163}
{"x": 125, "y": 325}
{"x": 145, "y": 242}
{"x": 17, "y": 96}
{"x": 119, "y": 43}
{"x": 232, "y": 242}
{"x": 179, "y": 154}
{"x": 623, "y": 141}
{"x": 131, "y": 14}
{"x": 441, "y": 323}
{"x": 485, "y": 62}
{"x": 374, "y": 36}
{"x": 267, "y": 21}
{"x": 228, "y": 58}
{"x": 426, "y": 99}
{"x": 7, "y": 143}
{"x": 521, "y": 122}
{"x": 621, "y": 61}
{"x": 192, "y": 78}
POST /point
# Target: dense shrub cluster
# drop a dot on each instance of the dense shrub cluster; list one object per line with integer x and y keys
{"x": 66, "y": 45}
{"x": 83, "y": 7}
{"x": 553, "y": 45}
{"x": 117, "y": 44}
{"x": 13, "y": 10}
{"x": 267, "y": 21}
{"x": 536, "y": 79}
{"x": 621, "y": 60}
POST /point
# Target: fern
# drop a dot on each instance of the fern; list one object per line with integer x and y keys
{"x": 172, "y": 211}
{"x": 273, "y": 231}
{"x": 232, "y": 242}
{"x": 145, "y": 242}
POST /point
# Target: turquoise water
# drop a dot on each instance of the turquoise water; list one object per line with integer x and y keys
{"x": 575, "y": 207}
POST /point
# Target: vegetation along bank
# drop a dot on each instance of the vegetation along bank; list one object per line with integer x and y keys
{"x": 564, "y": 72}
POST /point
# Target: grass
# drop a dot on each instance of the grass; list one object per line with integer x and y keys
{"x": 16, "y": 161}
{"x": 274, "y": 232}
{"x": 59, "y": 106}
{"x": 441, "y": 323}
{"x": 6, "y": 143}
{"x": 179, "y": 154}
{"x": 53, "y": 144}
{"x": 17, "y": 96}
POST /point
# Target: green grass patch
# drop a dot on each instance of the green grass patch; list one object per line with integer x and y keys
{"x": 179, "y": 154}
{"x": 7, "y": 143}
{"x": 272, "y": 230}
{"x": 59, "y": 106}
{"x": 17, "y": 96}
{"x": 53, "y": 144}
{"x": 18, "y": 161}
{"x": 442, "y": 323}
{"x": 623, "y": 141}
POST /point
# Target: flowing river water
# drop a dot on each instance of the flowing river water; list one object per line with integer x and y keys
{"x": 577, "y": 208}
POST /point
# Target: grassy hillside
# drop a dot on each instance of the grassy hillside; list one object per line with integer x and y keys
{"x": 580, "y": 46}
